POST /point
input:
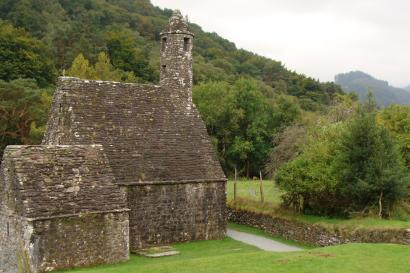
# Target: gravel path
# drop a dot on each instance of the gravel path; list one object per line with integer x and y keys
{"x": 261, "y": 242}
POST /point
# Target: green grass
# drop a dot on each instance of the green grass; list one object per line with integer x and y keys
{"x": 229, "y": 256}
{"x": 250, "y": 189}
{"x": 247, "y": 201}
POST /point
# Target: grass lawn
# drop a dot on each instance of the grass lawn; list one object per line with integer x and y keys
{"x": 250, "y": 189}
{"x": 247, "y": 200}
{"x": 229, "y": 256}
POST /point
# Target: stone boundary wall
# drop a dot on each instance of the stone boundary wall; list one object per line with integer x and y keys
{"x": 315, "y": 234}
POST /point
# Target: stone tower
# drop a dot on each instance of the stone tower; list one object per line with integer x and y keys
{"x": 176, "y": 57}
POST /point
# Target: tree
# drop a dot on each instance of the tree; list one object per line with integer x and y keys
{"x": 287, "y": 145}
{"x": 23, "y": 56}
{"x": 347, "y": 166}
{"x": 372, "y": 168}
{"x": 396, "y": 119}
{"x": 23, "y": 112}
{"x": 81, "y": 68}
{"x": 102, "y": 70}
{"x": 216, "y": 105}
{"x": 310, "y": 180}
{"x": 242, "y": 121}
{"x": 127, "y": 54}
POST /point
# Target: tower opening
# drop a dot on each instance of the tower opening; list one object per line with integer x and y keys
{"x": 164, "y": 43}
{"x": 186, "y": 44}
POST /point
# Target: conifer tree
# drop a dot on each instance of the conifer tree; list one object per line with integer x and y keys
{"x": 81, "y": 68}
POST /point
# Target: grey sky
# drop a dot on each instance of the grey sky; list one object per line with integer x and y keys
{"x": 319, "y": 38}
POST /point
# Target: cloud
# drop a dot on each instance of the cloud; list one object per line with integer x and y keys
{"x": 319, "y": 38}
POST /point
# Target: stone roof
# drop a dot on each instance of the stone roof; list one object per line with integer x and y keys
{"x": 177, "y": 24}
{"x": 150, "y": 134}
{"x": 53, "y": 181}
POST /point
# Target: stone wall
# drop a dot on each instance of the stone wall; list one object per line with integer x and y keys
{"x": 60, "y": 208}
{"x": 11, "y": 242}
{"x": 60, "y": 243}
{"x": 80, "y": 241}
{"x": 168, "y": 213}
{"x": 315, "y": 234}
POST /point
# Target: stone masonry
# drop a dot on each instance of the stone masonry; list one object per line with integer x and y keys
{"x": 156, "y": 143}
{"x": 122, "y": 167}
{"x": 60, "y": 208}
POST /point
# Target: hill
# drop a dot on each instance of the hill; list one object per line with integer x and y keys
{"x": 243, "y": 98}
{"x": 128, "y": 30}
{"x": 360, "y": 83}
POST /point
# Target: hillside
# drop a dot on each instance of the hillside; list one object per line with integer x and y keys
{"x": 360, "y": 83}
{"x": 243, "y": 98}
{"x": 128, "y": 30}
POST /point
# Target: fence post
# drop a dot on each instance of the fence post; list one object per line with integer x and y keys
{"x": 234, "y": 186}
{"x": 261, "y": 187}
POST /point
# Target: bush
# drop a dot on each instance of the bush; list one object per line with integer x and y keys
{"x": 347, "y": 167}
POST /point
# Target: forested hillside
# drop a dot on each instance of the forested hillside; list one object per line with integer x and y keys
{"x": 129, "y": 31}
{"x": 360, "y": 83}
{"x": 328, "y": 153}
{"x": 119, "y": 40}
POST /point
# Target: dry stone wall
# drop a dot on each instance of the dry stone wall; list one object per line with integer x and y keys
{"x": 315, "y": 234}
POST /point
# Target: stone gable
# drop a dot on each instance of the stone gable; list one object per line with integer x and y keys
{"x": 52, "y": 181}
{"x": 149, "y": 135}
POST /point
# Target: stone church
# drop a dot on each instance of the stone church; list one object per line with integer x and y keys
{"x": 122, "y": 167}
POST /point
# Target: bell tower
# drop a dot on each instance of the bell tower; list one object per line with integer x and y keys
{"x": 176, "y": 57}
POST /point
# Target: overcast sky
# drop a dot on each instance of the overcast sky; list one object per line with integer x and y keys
{"x": 319, "y": 38}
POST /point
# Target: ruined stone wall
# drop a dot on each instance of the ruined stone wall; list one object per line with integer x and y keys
{"x": 169, "y": 213}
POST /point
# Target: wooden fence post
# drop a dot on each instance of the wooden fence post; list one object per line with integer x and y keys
{"x": 234, "y": 186}
{"x": 261, "y": 187}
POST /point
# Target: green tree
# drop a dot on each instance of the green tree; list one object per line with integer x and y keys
{"x": 396, "y": 119}
{"x": 216, "y": 104}
{"x": 310, "y": 181}
{"x": 372, "y": 170}
{"x": 242, "y": 121}
{"x": 128, "y": 54}
{"x": 102, "y": 70}
{"x": 81, "y": 68}
{"x": 23, "y": 112}
{"x": 23, "y": 56}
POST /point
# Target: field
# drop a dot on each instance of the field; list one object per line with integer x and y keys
{"x": 229, "y": 256}
{"x": 248, "y": 195}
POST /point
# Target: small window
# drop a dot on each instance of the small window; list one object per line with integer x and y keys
{"x": 164, "y": 43}
{"x": 8, "y": 229}
{"x": 163, "y": 67}
{"x": 186, "y": 44}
